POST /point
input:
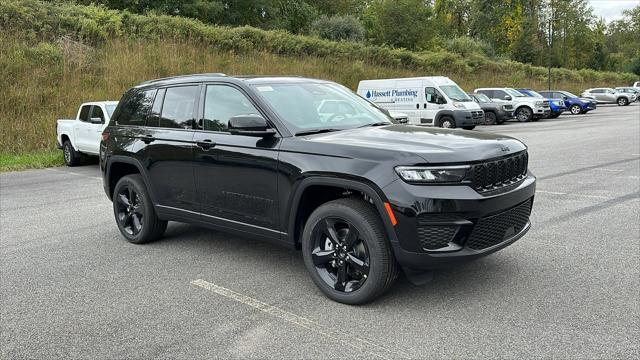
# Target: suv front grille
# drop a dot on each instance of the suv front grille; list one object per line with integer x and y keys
{"x": 508, "y": 107}
{"x": 494, "y": 229}
{"x": 545, "y": 103}
{"x": 496, "y": 174}
{"x": 477, "y": 114}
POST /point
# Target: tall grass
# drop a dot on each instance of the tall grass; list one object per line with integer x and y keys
{"x": 54, "y": 56}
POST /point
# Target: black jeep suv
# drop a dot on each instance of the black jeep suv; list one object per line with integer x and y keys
{"x": 307, "y": 163}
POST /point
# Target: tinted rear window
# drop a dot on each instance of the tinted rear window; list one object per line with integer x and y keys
{"x": 178, "y": 106}
{"x": 135, "y": 107}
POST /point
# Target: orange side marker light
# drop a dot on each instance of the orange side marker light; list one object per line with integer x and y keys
{"x": 392, "y": 217}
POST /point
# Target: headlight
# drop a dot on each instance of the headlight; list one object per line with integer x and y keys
{"x": 439, "y": 174}
{"x": 539, "y": 103}
{"x": 458, "y": 105}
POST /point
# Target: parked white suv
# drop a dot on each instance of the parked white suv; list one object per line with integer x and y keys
{"x": 527, "y": 108}
{"x": 82, "y": 135}
{"x": 609, "y": 96}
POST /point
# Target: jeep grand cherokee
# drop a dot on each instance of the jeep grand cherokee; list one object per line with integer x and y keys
{"x": 307, "y": 163}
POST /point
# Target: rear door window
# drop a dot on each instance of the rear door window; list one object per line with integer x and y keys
{"x": 84, "y": 113}
{"x": 178, "y": 107}
{"x": 499, "y": 94}
{"x": 135, "y": 108}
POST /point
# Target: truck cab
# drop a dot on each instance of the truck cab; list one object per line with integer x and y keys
{"x": 431, "y": 101}
{"x": 527, "y": 108}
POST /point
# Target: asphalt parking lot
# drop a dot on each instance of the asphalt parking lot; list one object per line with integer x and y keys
{"x": 71, "y": 286}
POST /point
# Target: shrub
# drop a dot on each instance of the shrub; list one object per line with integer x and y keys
{"x": 338, "y": 28}
{"x": 467, "y": 46}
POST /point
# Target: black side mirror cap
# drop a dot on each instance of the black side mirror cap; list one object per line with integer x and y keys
{"x": 508, "y": 98}
{"x": 95, "y": 120}
{"x": 250, "y": 125}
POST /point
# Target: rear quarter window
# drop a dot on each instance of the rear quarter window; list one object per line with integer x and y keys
{"x": 134, "y": 108}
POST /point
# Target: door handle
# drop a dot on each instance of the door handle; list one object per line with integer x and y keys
{"x": 147, "y": 139}
{"x": 205, "y": 144}
{"x": 424, "y": 106}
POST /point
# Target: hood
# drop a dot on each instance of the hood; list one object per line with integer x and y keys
{"x": 470, "y": 105}
{"x": 434, "y": 145}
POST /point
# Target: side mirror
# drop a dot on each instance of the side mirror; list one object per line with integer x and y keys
{"x": 250, "y": 125}
{"x": 565, "y": 98}
{"x": 95, "y": 120}
{"x": 508, "y": 97}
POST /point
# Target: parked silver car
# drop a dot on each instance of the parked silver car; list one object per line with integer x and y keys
{"x": 609, "y": 96}
{"x": 630, "y": 90}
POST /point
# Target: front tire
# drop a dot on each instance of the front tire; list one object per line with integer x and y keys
{"x": 524, "y": 114}
{"x": 346, "y": 251}
{"x": 623, "y": 101}
{"x": 470, "y": 127}
{"x": 575, "y": 109}
{"x": 70, "y": 155}
{"x": 447, "y": 122}
{"x": 490, "y": 118}
{"x": 134, "y": 212}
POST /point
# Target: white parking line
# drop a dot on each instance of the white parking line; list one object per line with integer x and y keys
{"x": 609, "y": 170}
{"x": 574, "y": 194}
{"x": 72, "y": 173}
{"x": 357, "y": 343}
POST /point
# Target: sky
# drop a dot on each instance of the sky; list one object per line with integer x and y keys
{"x": 612, "y": 9}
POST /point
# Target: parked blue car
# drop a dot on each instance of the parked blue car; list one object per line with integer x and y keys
{"x": 575, "y": 104}
{"x": 557, "y": 105}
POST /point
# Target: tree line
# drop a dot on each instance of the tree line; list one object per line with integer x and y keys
{"x": 560, "y": 33}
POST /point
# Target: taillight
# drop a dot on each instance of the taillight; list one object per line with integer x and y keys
{"x": 105, "y": 135}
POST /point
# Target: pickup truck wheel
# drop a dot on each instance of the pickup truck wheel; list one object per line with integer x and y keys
{"x": 346, "y": 251}
{"x": 623, "y": 101}
{"x": 447, "y": 122}
{"x": 490, "y": 118}
{"x": 71, "y": 156}
{"x": 524, "y": 114}
{"x": 575, "y": 109}
{"x": 135, "y": 216}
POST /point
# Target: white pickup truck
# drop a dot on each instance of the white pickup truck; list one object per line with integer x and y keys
{"x": 82, "y": 135}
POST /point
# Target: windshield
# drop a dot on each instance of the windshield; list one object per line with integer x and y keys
{"x": 514, "y": 92}
{"x": 111, "y": 108}
{"x": 568, "y": 94}
{"x": 534, "y": 94}
{"x": 482, "y": 98}
{"x": 455, "y": 93}
{"x": 307, "y": 106}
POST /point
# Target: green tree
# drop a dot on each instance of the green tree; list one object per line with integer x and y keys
{"x": 399, "y": 23}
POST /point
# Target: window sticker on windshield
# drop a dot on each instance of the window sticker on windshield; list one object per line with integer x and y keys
{"x": 264, "y": 88}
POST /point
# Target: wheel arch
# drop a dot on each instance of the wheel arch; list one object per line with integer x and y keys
{"x": 441, "y": 114}
{"x": 120, "y": 166}
{"x": 306, "y": 199}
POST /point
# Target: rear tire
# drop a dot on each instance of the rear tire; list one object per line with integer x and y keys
{"x": 622, "y": 101}
{"x": 135, "y": 216}
{"x": 447, "y": 122}
{"x": 524, "y": 114}
{"x": 346, "y": 251}
{"x": 70, "y": 155}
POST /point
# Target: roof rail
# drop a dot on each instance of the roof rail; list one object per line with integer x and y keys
{"x": 180, "y": 76}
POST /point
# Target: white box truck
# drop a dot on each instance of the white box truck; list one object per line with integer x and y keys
{"x": 428, "y": 100}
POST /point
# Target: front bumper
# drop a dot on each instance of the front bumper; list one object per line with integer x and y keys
{"x": 505, "y": 114}
{"x": 439, "y": 226}
{"x": 468, "y": 117}
{"x": 541, "y": 112}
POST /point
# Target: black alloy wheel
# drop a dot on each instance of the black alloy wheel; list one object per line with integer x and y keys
{"x": 135, "y": 216}
{"x": 524, "y": 114}
{"x": 129, "y": 212}
{"x": 490, "y": 118}
{"x": 340, "y": 257}
{"x": 346, "y": 251}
